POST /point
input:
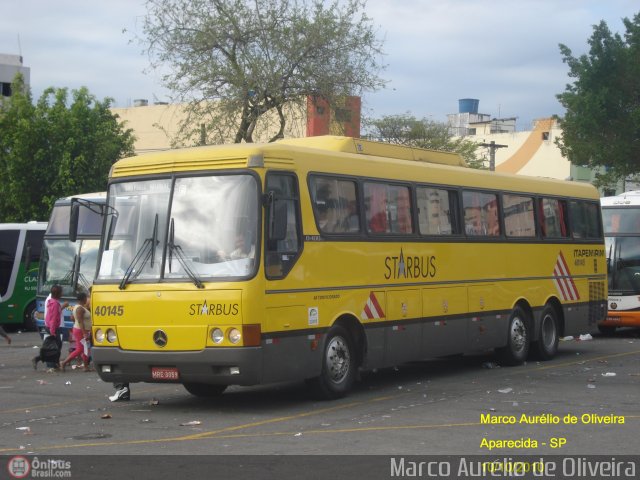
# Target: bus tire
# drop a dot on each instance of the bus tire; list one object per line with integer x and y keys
{"x": 546, "y": 346}
{"x": 338, "y": 365}
{"x": 517, "y": 348}
{"x": 606, "y": 329}
{"x": 204, "y": 390}
{"x": 29, "y": 320}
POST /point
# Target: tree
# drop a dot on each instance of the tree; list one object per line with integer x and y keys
{"x": 242, "y": 66}
{"x": 423, "y": 133}
{"x": 55, "y": 148}
{"x": 601, "y": 127}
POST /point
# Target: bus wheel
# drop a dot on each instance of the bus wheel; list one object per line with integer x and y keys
{"x": 204, "y": 390}
{"x": 338, "y": 365}
{"x": 546, "y": 346}
{"x": 29, "y": 320}
{"x": 517, "y": 348}
{"x": 606, "y": 329}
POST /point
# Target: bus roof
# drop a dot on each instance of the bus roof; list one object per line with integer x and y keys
{"x": 95, "y": 196}
{"x": 626, "y": 199}
{"x": 347, "y": 156}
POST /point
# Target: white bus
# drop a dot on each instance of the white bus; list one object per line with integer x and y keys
{"x": 621, "y": 218}
{"x": 70, "y": 262}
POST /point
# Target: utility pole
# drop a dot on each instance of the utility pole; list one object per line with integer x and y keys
{"x": 493, "y": 146}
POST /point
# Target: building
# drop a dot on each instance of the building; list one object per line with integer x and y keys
{"x": 10, "y": 65}
{"x": 155, "y": 126}
{"x": 469, "y": 122}
{"x": 533, "y": 152}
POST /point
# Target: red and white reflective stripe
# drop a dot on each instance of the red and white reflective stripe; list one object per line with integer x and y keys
{"x": 372, "y": 309}
{"x": 562, "y": 279}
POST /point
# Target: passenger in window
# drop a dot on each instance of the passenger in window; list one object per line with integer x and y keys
{"x": 327, "y": 221}
{"x": 378, "y": 223}
{"x": 378, "y": 220}
{"x": 493, "y": 225}
{"x": 244, "y": 247}
{"x": 404, "y": 212}
{"x": 326, "y": 209}
{"x": 351, "y": 222}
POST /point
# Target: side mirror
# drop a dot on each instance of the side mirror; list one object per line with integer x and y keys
{"x": 277, "y": 218}
{"x": 73, "y": 221}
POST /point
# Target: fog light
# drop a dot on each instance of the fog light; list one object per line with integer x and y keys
{"x": 99, "y": 336}
{"x": 106, "y": 368}
{"x": 111, "y": 336}
{"x": 217, "y": 335}
{"x": 234, "y": 370}
{"x": 234, "y": 335}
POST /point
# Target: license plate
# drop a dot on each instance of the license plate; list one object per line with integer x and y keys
{"x": 164, "y": 373}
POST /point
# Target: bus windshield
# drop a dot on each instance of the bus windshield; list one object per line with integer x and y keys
{"x": 621, "y": 220}
{"x": 71, "y": 265}
{"x": 181, "y": 230}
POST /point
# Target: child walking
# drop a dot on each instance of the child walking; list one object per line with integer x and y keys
{"x": 81, "y": 331}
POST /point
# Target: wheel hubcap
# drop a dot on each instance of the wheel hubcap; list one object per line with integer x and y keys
{"x": 548, "y": 331}
{"x": 518, "y": 334}
{"x": 338, "y": 359}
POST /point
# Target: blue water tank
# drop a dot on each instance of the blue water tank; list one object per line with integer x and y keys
{"x": 468, "y": 105}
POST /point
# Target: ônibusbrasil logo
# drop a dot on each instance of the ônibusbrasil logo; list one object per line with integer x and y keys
{"x": 19, "y": 467}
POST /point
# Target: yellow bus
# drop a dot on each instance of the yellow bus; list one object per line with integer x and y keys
{"x": 312, "y": 259}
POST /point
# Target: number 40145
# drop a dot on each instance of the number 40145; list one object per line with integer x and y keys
{"x": 109, "y": 311}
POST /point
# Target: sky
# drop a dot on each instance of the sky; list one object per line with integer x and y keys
{"x": 502, "y": 52}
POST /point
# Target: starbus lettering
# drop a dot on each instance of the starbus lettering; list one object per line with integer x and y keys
{"x": 410, "y": 266}
{"x": 217, "y": 309}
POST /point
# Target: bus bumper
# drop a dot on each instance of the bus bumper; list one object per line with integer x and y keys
{"x": 217, "y": 366}
{"x": 621, "y": 319}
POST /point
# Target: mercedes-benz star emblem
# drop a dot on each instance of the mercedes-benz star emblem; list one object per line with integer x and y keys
{"x": 160, "y": 338}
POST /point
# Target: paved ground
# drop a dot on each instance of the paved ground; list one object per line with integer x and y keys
{"x": 435, "y": 407}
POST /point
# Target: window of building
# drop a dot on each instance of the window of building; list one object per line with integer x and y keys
{"x": 5, "y": 89}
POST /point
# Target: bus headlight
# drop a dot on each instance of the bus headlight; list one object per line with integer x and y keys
{"x": 99, "y": 336}
{"x": 217, "y": 335}
{"x": 111, "y": 336}
{"x": 234, "y": 335}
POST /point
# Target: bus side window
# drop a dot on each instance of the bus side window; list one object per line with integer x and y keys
{"x": 282, "y": 253}
{"x": 436, "y": 209}
{"x": 481, "y": 215}
{"x": 335, "y": 205}
{"x": 376, "y": 208}
{"x": 8, "y": 248}
{"x": 585, "y": 219}
{"x": 553, "y": 218}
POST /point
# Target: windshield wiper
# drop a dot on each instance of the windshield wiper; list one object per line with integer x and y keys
{"x": 177, "y": 249}
{"x": 145, "y": 253}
